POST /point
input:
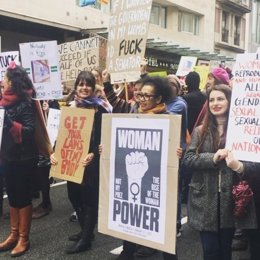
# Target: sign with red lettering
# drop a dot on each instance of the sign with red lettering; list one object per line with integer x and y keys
{"x": 243, "y": 134}
{"x": 72, "y": 143}
{"x": 139, "y": 179}
{"x": 127, "y": 35}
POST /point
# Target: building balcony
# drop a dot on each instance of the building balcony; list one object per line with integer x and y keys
{"x": 242, "y": 6}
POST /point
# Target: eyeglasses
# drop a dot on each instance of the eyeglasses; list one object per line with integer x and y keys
{"x": 144, "y": 96}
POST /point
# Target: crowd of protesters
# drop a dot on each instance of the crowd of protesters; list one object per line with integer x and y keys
{"x": 207, "y": 170}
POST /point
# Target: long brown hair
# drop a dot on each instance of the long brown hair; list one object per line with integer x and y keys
{"x": 210, "y": 126}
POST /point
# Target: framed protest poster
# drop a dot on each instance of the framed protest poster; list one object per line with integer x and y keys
{"x": 40, "y": 59}
{"x": 244, "y": 113}
{"x": 72, "y": 143}
{"x": 139, "y": 179}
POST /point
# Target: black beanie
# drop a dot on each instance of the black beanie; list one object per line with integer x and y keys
{"x": 192, "y": 81}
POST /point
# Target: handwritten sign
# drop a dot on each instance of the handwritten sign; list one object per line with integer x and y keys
{"x": 243, "y": 135}
{"x": 53, "y": 124}
{"x": 77, "y": 56}
{"x": 40, "y": 59}
{"x": 5, "y": 59}
{"x": 72, "y": 143}
{"x": 127, "y": 39}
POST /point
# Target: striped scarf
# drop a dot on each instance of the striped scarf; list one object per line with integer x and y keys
{"x": 94, "y": 102}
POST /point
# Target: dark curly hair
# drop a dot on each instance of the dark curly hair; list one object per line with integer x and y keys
{"x": 160, "y": 85}
{"x": 21, "y": 84}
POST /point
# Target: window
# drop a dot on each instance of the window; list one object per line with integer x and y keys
{"x": 158, "y": 15}
{"x": 256, "y": 22}
{"x": 225, "y": 26}
{"x": 237, "y": 30}
{"x": 188, "y": 22}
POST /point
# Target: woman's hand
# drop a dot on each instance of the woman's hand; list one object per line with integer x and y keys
{"x": 100, "y": 149}
{"x": 105, "y": 76}
{"x": 88, "y": 159}
{"x": 53, "y": 159}
{"x": 45, "y": 105}
{"x": 234, "y": 164}
{"x": 179, "y": 152}
{"x": 220, "y": 155}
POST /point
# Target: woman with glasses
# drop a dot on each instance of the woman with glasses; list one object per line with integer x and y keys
{"x": 151, "y": 98}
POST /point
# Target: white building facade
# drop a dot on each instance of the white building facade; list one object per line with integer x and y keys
{"x": 207, "y": 29}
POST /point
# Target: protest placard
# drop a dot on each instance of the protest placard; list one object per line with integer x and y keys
{"x": 186, "y": 65}
{"x": 203, "y": 71}
{"x": 53, "y": 122}
{"x": 5, "y": 59}
{"x": 127, "y": 35}
{"x": 139, "y": 179}
{"x": 77, "y": 56}
{"x": 40, "y": 59}
{"x": 72, "y": 143}
{"x": 243, "y": 133}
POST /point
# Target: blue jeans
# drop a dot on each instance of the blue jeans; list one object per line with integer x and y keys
{"x": 217, "y": 245}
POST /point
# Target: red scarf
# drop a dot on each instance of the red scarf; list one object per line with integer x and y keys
{"x": 9, "y": 99}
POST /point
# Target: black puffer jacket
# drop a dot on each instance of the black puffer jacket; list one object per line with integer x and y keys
{"x": 23, "y": 113}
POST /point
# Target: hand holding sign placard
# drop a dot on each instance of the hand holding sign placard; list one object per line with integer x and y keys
{"x": 72, "y": 143}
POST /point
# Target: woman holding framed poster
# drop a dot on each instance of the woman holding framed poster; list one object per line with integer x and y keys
{"x": 154, "y": 92}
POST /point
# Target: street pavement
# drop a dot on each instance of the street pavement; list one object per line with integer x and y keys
{"x": 49, "y": 236}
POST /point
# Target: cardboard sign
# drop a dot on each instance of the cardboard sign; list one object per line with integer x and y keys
{"x": 40, "y": 59}
{"x": 128, "y": 30}
{"x": 72, "y": 143}
{"x": 53, "y": 122}
{"x": 244, "y": 115}
{"x": 5, "y": 59}
{"x": 139, "y": 179}
{"x": 77, "y": 56}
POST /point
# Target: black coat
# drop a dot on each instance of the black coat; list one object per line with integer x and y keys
{"x": 23, "y": 113}
{"x": 195, "y": 101}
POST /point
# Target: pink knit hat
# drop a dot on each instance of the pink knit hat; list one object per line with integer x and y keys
{"x": 220, "y": 75}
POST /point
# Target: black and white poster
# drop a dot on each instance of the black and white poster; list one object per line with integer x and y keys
{"x": 138, "y": 166}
